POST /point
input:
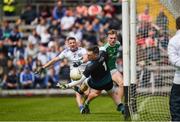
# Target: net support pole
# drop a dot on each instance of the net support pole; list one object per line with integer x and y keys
{"x": 133, "y": 54}
{"x": 126, "y": 65}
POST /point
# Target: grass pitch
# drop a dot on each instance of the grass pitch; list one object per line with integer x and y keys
{"x": 153, "y": 108}
{"x": 56, "y": 108}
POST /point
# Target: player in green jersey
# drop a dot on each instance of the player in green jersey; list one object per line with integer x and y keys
{"x": 112, "y": 47}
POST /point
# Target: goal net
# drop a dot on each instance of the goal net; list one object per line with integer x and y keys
{"x": 149, "y": 96}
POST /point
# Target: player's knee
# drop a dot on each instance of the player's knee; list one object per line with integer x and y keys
{"x": 84, "y": 87}
{"x": 119, "y": 82}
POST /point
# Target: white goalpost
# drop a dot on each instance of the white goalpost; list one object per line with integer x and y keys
{"x": 149, "y": 77}
{"x": 126, "y": 66}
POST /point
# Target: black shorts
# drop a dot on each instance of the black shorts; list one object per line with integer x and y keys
{"x": 175, "y": 102}
{"x": 106, "y": 87}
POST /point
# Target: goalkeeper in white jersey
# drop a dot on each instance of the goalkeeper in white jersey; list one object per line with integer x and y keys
{"x": 74, "y": 54}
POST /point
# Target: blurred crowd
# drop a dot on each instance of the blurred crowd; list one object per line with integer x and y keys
{"x": 20, "y": 55}
{"x": 152, "y": 36}
{"x": 152, "y": 40}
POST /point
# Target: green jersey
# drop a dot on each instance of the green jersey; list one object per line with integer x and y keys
{"x": 112, "y": 54}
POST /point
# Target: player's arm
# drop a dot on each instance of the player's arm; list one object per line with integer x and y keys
{"x": 85, "y": 58}
{"x": 51, "y": 62}
{"x": 75, "y": 83}
{"x": 174, "y": 57}
{"x": 85, "y": 75}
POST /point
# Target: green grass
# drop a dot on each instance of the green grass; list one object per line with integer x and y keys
{"x": 56, "y": 108}
{"x": 153, "y": 108}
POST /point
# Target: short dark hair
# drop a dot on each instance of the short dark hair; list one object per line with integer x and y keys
{"x": 71, "y": 38}
{"x": 93, "y": 48}
{"x": 178, "y": 23}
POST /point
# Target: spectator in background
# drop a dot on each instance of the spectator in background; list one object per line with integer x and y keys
{"x": 12, "y": 79}
{"x": 19, "y": 53}
{"x": 150, "y": 41}
{"x": 10, "y": 65}
{"x": 94, "y": 10}
{"x": 6, "y": 29}
{"x": 20, "y": 63}
{"x": 68, "y": 20}
{"x": 31, "y": 50}
{"x": 52, "y": 78}
{"x": 89, "y": 34}
{"x": 3, "y": 68}
{"x": 3, "y": 48}
{"x": 26, "y": 78}
{"x": 52, "y": 52}
{"x": 45, "y": 38}
{"x": 109, "y": 8}
{"x": 64, "y": 70}
{"x": 33, "y": 38}
{"x": 41, "y": 27}
{"x": 19, "y": 50}
{"x": 152, "y": 48}
{"x": 145, "y": 17}
{"x": 41, "y": 80}
{"x": 28, "y": 16}
{"x": 96, "y": 25}
{"x": 1, "y": 32}
{"x": 58, "y": 11}
{"x": 76, "y": 32}
{"x": 45, "y": 12}
{"x": 143, "y": 29}
{"x": 42, "y": 55}
{"x": 81, "y": 10}
{"x": 15, "y": 35}
{"x": 9, "y": 7}
{"x": 163, "y": 42}
{"x": 114, "y": 23}
{"x": 54, "y": 26}
{"x": 162, "y": 21}
{"x": 29, "y": 62}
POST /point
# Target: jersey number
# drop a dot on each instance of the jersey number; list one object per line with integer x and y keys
{"x": 105, "y": 67}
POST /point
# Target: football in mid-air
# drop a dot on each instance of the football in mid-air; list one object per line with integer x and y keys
{"x": 75, "y": 73}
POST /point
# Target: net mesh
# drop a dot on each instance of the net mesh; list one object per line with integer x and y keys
{"x": 149, "y": 97}
{"x": 173, "y": 6}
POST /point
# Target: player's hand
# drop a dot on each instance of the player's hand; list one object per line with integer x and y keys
{"x": 62, "y": 86}
{"x": 39, "y": 70}
{"x": 76, "y": 64}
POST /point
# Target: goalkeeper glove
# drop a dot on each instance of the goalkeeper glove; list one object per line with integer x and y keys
{"x": 76, "y": 64}
{"x": 39, "y": 70}
{"x": 62, "y": 86}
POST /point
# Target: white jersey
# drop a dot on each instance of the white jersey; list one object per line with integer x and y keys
{"x": 73, "y": 56}
{"x": 174, "y": 55}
